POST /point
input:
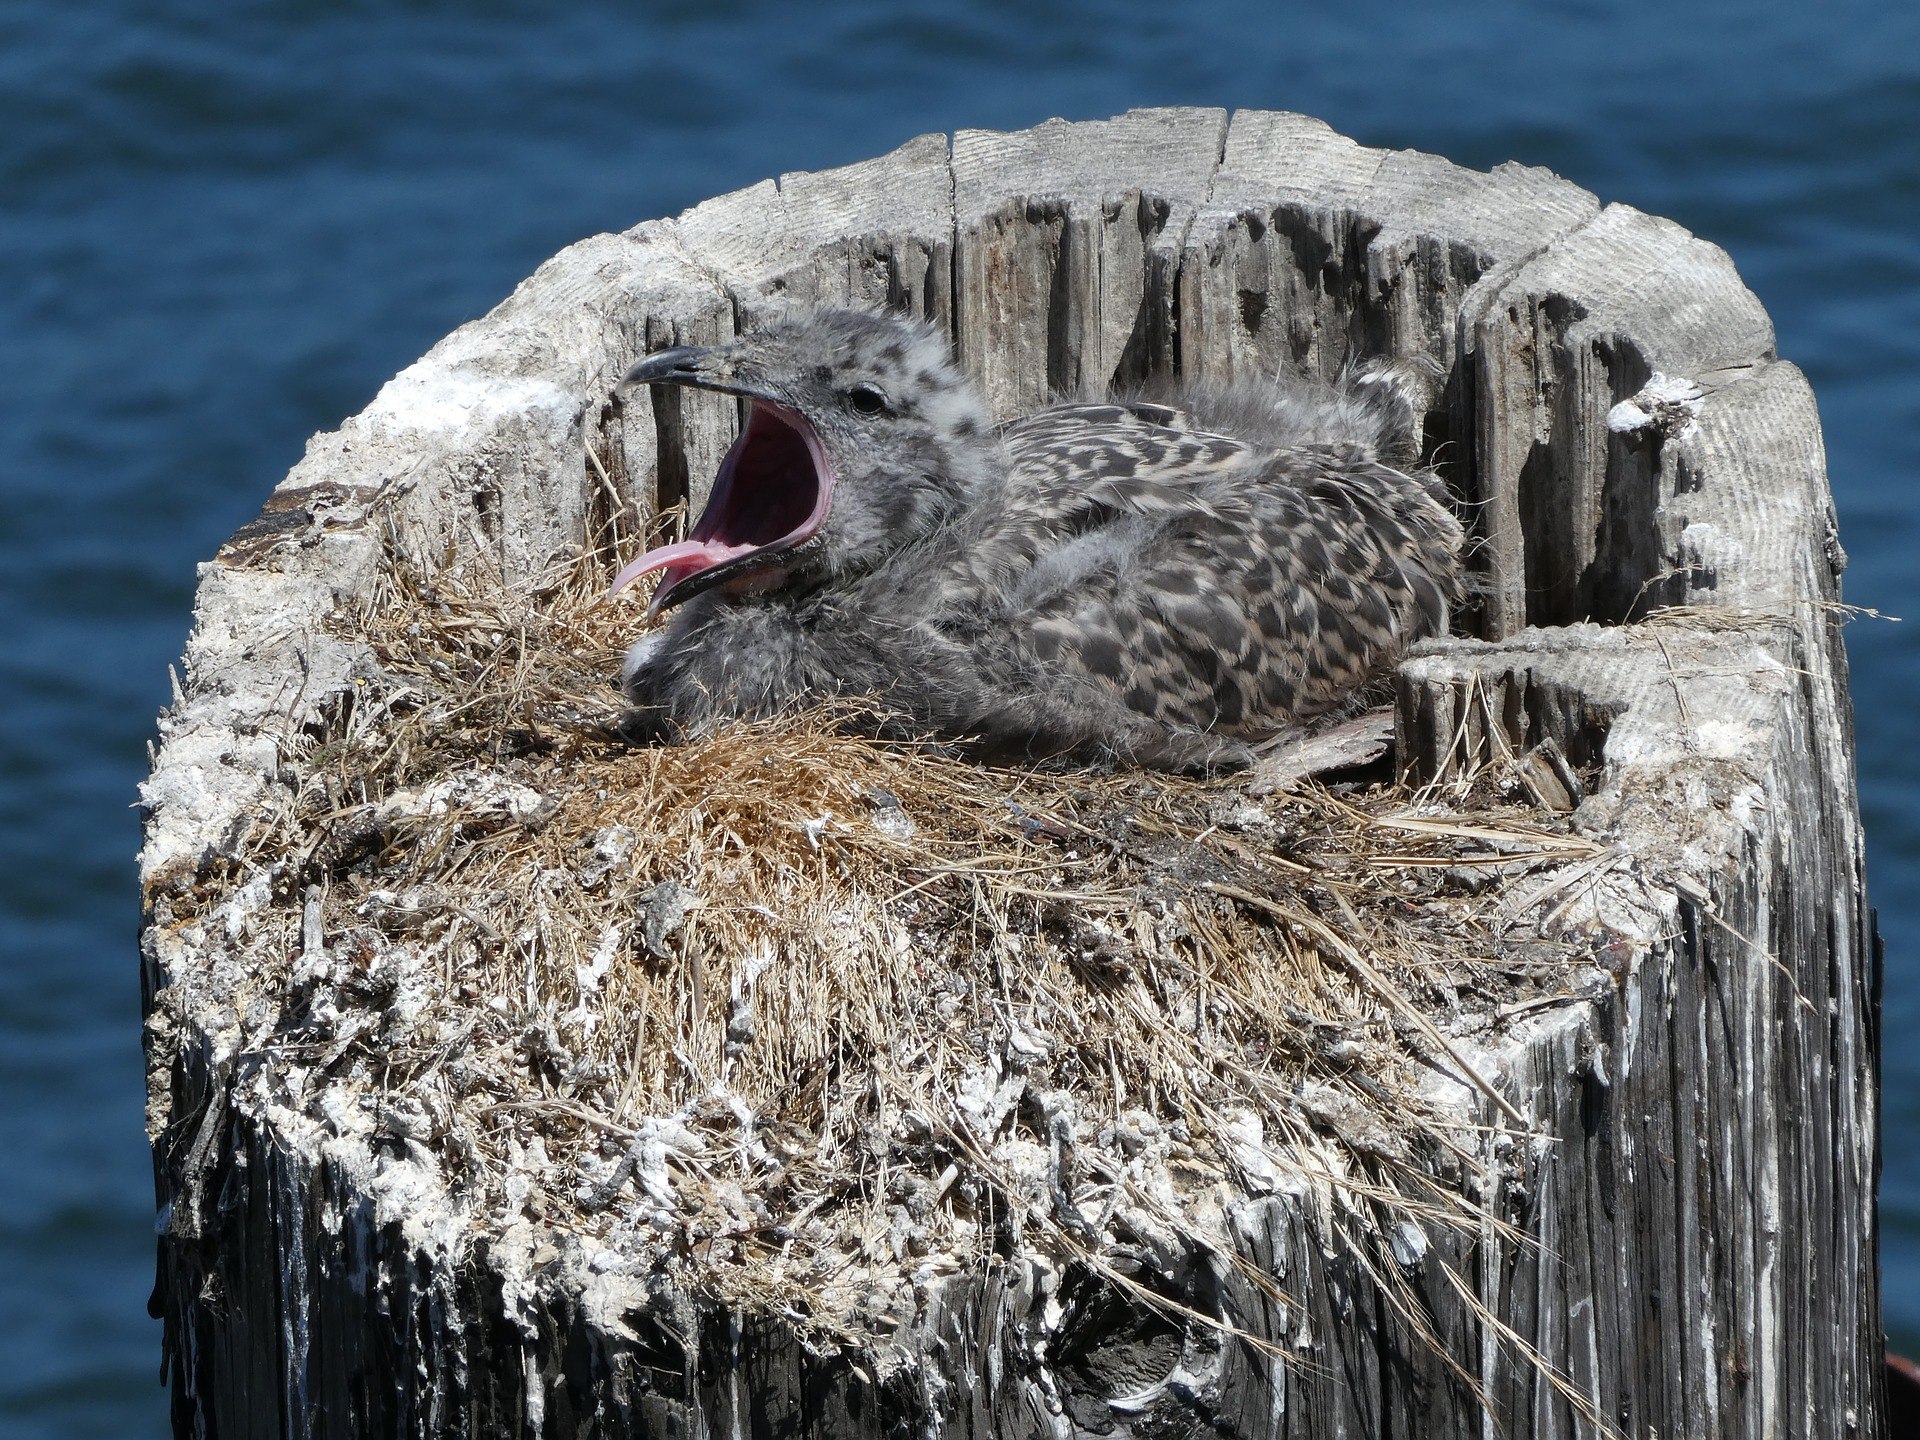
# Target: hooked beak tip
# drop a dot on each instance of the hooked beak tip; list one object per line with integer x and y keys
{"x": 681, "y": 365}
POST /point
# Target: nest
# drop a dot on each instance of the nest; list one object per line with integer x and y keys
{"x": 803, "y": 1021}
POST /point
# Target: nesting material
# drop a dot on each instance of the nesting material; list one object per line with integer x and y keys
{"x": 803, "y": 1021}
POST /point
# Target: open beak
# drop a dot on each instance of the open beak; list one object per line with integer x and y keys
{"x": 771, "y": 493}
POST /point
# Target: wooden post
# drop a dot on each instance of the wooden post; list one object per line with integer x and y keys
{"x": 1689, "y": 1209}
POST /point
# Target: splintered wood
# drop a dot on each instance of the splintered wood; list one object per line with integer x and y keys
{"x": 505, "y": 1079}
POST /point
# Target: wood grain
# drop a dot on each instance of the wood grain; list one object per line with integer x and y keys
{"x": 1695, "y": 1178}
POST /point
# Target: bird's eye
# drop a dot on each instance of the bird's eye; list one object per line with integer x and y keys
{"x": 867, "y": 400}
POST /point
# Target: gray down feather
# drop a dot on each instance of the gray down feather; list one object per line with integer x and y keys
{"x": 1163, "y": 578}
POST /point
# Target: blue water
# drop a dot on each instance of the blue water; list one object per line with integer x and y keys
{"x": 223, "y": 225}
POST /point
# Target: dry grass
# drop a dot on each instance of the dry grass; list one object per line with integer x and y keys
{"x": 813, "y": 1019}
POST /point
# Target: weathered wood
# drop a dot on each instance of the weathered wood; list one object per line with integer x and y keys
{"x": 1694, "y": 1177}
{"x": 877, "y": 233}
{"x": 1312, "y": 251}
{"x": 1556, "y": 345}
{"x": 1065, "y": 256}
{"x": 1695, "y": 1182}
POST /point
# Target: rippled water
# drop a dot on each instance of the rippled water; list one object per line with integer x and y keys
{"x": 222, "y": 226}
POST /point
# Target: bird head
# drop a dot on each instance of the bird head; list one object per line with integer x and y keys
{"x": 861, "y": 438}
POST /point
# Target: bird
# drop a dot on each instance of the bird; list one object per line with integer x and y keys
{"x": 1160, "y": 578}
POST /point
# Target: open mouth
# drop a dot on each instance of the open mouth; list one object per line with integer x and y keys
{"x": 770, "y": 497}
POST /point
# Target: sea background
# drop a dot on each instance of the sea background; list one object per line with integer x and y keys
{"x": 224, "y": 225}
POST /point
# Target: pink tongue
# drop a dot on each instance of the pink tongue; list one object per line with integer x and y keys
{"x": 689, "y": 557}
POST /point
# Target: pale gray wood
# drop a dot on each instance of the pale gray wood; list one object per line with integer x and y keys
{"x": 1556, "y": 343}
{"x": 872, "y": 233}
{"x": 1706, "y": 1202}
{"x": 1314, "y": 251}
{"x": 878, "y": 233}
{"x": 1067, "y": 237}
{"x": 1695, "y": 1178}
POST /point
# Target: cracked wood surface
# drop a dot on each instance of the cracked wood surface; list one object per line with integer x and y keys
{"x": 1697, "y": 1189}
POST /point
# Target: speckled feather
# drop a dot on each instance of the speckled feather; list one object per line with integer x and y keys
{"x": 1117, "y": 577}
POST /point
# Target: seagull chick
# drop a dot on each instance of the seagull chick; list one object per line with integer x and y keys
{"x": 1160, "y": 582}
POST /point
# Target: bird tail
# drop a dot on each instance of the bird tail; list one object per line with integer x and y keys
{"x": 1386, "y": 401}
